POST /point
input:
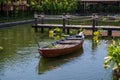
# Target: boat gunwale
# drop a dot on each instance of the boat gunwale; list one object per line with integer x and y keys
{"x": 58, "y": 48}
{"x": 55, "y": 43}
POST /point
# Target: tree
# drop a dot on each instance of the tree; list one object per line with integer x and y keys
{"x": 55, "y": 6}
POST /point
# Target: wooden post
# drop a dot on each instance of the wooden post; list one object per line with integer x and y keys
{"x": 42, "y": 19}
{"x": 68, "y": 22}
{"x": 93, "y": 24}
{"x": 36, "y": 21}
{"x": 42, "y": 22}
{"x": 36, "y": 29}
{"x": 63, "y": 22}
{"x": 109, "y": 33}
{"x": 68, "y": 18}
{"x": 68, "y": 31}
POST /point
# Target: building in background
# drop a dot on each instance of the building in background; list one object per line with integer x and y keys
{"x": 99, "y": 6}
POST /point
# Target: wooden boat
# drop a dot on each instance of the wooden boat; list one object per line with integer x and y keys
{"x": 62, "y": 47}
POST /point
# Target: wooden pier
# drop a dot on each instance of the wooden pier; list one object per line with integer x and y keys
{"x": 68, "y": 27}
{"x": 65, "y": 26}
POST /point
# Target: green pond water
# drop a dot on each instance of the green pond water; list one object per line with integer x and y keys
{"x": 20, "y": 60}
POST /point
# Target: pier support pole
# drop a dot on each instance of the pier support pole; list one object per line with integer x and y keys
{"x": 36, "y": 29}
{"x": 109, "y": 33}
{"x": 94, "y": 22}
{"x": 42, "y": 22}
{"x": 68, "y": 31}
{"x": 64, "y": 22}
{"x": 68, "y": 18}
{"x": 36, "y": 21}
{"x": 68, "y": 22}
{"x": 93, "y": 25}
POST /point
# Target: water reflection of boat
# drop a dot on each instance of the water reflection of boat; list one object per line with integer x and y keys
{"x": 62, "y": 47}
{"x": 47, "y": 64}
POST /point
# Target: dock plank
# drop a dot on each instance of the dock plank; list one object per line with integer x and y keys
{"x": 76, "y": 26}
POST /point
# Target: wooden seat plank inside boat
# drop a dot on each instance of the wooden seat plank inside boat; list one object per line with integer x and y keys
{"x": 64, "y": 46}
{"x": 74, "y": 38}
{"x": 70, "y": 42}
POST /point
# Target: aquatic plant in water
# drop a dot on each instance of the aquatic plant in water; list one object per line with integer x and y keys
{"x": 113, "y": 59}
{"x": 51, "y": 33}
{"x": 55, "y": 33}
{"x": 1, "y": 48}
{"x": 96, "y": 36}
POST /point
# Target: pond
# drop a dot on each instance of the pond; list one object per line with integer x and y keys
{"x": 20, "y": 60}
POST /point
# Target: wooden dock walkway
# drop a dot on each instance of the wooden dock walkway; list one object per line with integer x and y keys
{"x": 76, "y": 26}
{"x": 66, "y": 25}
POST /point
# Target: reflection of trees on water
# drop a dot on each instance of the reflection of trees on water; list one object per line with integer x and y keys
{"x": 12, "y": 39}
{"x": 47, "y": 64}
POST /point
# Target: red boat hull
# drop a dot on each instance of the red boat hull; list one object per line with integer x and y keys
{"x": 60, "y": 51}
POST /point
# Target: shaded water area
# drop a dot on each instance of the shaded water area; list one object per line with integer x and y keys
{"x": 20, "y": 59}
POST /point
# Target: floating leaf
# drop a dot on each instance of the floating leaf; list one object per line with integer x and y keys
{"x": 1, "y": 48}
{"x": 106, "y": 66}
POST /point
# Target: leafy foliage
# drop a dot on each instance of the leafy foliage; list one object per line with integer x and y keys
{"x": 55, "y": 33}
{"x": 113, "y": 57}
{"x": 96, "y": 36}
{"x": 54, "y": 6}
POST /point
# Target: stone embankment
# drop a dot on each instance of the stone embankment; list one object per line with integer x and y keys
{"x": 9, "y": 24}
